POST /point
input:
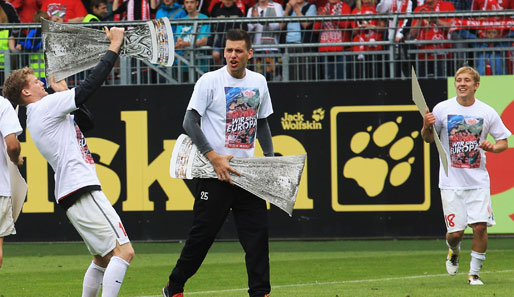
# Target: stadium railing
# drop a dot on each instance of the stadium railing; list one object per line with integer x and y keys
{"x": 379, "y": 59}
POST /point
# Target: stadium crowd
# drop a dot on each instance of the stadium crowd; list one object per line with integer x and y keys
{"x": 466, "y": 32}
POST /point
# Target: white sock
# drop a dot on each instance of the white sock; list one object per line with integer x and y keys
{"x": 92, "y": 280}
{"x": 113, "y": 276}
{"x": 476, "y": 263}
{"x": 455, "y": 249}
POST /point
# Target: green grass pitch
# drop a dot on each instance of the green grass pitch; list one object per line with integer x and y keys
{"x": 298, "y": 269}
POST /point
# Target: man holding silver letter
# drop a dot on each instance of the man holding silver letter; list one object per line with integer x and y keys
{"x": 228, "y": 110}
{"x": 463, "y": 124}
{"x": 77, "y": 189}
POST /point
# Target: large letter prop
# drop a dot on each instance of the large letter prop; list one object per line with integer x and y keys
{"x": 70, "y": 49}
{"x": 274, "y": 179}
{"x": 419, "y": 99}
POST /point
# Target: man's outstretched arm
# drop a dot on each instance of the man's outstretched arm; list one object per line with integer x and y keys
{"x": 99, "y": 73}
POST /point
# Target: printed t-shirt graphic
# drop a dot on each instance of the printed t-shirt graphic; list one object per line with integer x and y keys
{"x": 57, "y": 10}
{"x": 242, "y": 105}
{"x": 464, "y": 137}
{"x": 84, "y": 149}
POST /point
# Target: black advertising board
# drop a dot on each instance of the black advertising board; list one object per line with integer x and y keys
{"x": 368, "y": 173}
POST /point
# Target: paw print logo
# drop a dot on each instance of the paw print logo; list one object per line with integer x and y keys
{"x": 371, "y": 173}
{"x": 318, "y": 114}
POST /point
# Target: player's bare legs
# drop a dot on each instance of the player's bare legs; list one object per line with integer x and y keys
{"x": 477, "y": 252}
{"x": 454, "y": 238}
{"x": 108, "y": 272}
{"x": 453, "y": 241}
{"x": 479, "y": 237}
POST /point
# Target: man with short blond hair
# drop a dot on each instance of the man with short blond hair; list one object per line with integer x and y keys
{"x": 59, "y": 139}
{"x": 463, "y": 124}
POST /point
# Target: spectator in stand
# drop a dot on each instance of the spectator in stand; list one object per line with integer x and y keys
{"x": 265, "y": 33}
{"x": 462, "y": 34}
{"x": 98, "y": 10}
{"x": 334, "y": 32}
{"x": 68, "y": 11}
{"x": 507, "y": 4}
{"x": 435, "y": 29}
{"x": 11, "y": 14}
{"x": 131, "y": 10}
{"x": 397, "y": 31}
{"x": 7, "y": 41}
{"x": 186, "y": 36}
{"x": 241, "y": 4}
{"x": 462, "y": 5}
{"x": 321, "y": 3}
{"x": 33, "y": 43}
{"x": 367, "y": 31}
{"x": 298, "y": 33}
{"x": 491, "y": 62}
{"x": 168, "y": 8}
{"x": 224, "y": 9}
{"x": 391, "y": 7}
{"x": 487, "y": 5}
{"x": 26, "y": 9}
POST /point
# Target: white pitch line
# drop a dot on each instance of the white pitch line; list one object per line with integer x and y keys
{"x": 337, "y": 282}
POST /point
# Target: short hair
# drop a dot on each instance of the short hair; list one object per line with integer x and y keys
{"x": 15, "y": 83}
{"x": 40, "y": 14}
{"x": 96, "y": 3}
{"x": 470, "y": 70}
{"x": 239, "y": 34}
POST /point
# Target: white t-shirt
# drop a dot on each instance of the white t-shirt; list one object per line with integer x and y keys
{"x": 9, "y": 124}
{"x": 461, "y": 129}
{"x": 230, "y": 108}
{"x": 61, "y": 142}
{"x": 269, "y": 33}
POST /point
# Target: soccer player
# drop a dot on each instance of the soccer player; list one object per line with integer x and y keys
{"x": 77, "y": 188}
{"x": 9, "y": 128}
{"x": 465, "y": 192}
{"x": 229, "y": 103}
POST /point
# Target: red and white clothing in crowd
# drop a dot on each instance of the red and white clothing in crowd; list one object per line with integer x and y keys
{"x": 334, "y": 31}
{"x": 267, "y": 33}
{"x": 364, "y": 30}
{"x": 65, "y": 9}
{"x": 431, "y": 30}
{"x": 26, "y": 9}
{"x": 486, "y": 5}
{"x": 132, "y": 10}
{"x": 395, "y": 6}
{"x": 489, "y": 4}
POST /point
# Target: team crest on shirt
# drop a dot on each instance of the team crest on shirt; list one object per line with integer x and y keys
{"x": 84, "y": 149}
{"x": 464, "y": 138}
{"x": 242, "y": 105}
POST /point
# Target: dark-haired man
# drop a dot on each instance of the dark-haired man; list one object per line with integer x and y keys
{"x": 97, "y": 11}
{"x": 227, "y": 111}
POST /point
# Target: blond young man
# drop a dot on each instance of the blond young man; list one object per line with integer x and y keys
{"x": 463, "y": 124}
{"x": 77, "y": 188}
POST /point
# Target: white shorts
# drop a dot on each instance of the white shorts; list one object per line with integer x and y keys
{"x": 97, "y": 222}
{"x": 6, "y": 220}
{"x": 465, "y": 207}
